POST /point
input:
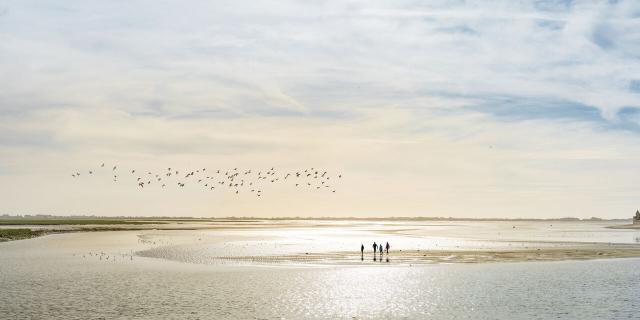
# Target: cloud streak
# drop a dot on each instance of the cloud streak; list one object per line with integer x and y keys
{"x": 499, "y": 103}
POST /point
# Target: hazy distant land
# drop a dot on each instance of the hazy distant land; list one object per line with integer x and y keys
{"x": 132, "y": 219}
{"x": 46, "y": 224}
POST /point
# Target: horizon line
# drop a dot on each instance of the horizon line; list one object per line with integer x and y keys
{"x": 399, "y": 218}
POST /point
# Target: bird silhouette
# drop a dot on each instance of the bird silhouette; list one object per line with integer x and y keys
{"x": 251, "y": 180}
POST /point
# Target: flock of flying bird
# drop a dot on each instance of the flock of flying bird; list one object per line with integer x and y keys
{"x": 234, "y": 180}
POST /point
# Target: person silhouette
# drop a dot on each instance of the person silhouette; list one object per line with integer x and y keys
{"x": 380, "y": 247}
{"x": 361, "y": 252}
{"x": 388, "y": 246}
{"x": 375, "y": 250}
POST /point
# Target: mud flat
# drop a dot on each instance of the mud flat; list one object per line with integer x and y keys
{"x": 314, "y": 270}
{"x": 416, "y": 257}
{"x": 626, "y": 226}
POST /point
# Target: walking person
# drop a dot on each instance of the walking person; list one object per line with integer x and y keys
{"x": 375, "y": 250}
{"x": 381, "y": 250}
{"x": 387, "y": 247}
{"x": 361, "y": 252}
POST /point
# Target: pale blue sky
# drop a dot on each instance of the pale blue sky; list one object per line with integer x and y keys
{"x": 434, "y": 108}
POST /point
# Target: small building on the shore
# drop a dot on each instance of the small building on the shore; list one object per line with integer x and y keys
{"x": 636, "y": 218}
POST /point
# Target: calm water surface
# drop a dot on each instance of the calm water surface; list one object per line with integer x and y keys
{"x": 54, "y": 277}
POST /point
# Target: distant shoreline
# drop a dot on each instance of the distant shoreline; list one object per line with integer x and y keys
{"x": 142, "y": 219}
{"x": 20, "y": 228}
{"x": 14, "y": 234}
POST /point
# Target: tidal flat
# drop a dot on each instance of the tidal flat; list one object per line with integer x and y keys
{"x": 299, "y": 269}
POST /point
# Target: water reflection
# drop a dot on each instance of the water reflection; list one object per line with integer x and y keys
{"x": 47, "y": 278}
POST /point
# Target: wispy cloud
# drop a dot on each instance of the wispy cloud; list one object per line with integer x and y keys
{"x": 497, "y": 102}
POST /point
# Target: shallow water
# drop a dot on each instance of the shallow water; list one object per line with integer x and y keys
{"x": 312, "y": 237}
{"x": 74, "y": 276}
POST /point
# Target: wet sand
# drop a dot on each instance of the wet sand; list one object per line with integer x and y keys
{"x": 626, "y": 226}
{"x": 308, "y": 242}
{"x": 416, "y": 257}
{"x": 328, "y": 243}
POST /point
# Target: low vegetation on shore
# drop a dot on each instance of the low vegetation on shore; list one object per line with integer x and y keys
{"x": 16, "y": 234}
{"x": 14, "y": 222}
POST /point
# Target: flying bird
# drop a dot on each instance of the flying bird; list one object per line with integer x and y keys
{"x": 250, "y": 180}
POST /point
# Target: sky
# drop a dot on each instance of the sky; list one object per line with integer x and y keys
{"x": 427, "y": 108}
